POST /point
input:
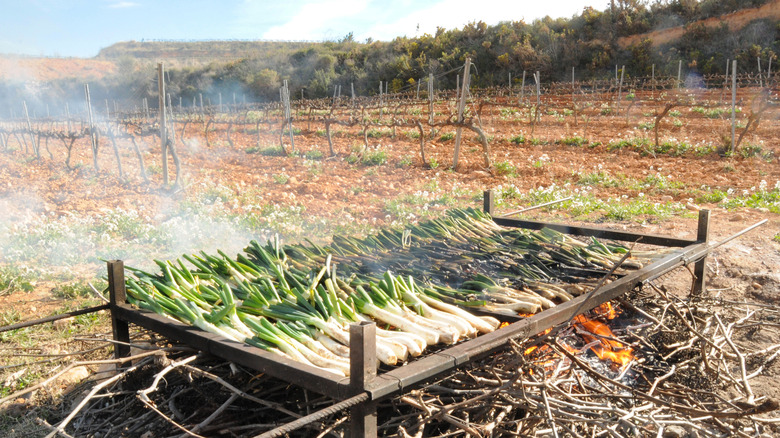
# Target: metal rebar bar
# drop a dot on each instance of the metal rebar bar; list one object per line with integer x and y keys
{"x": 53, "y": 318}
{"x": 534, "y": 207}
{"x": 319, "y": 415}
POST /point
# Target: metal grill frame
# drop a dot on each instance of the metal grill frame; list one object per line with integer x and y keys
{"x": 377, "y": 386}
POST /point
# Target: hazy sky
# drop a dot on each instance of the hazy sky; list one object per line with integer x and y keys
{"x": 81, "y": 27}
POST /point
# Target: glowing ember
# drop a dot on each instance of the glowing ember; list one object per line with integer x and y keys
{"x": 503, "y": 324}
{"x": 531, "y": 349}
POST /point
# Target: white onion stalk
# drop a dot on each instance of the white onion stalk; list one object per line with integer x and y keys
{"x": 482, "y": 325}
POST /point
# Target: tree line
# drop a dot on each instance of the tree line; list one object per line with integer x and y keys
{"x": 500, "y": 53}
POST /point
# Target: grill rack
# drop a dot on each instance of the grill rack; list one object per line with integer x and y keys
{"x": 364, "y": 387}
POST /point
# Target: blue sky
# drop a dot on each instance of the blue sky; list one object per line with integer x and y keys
{"x": 81, "y": 27}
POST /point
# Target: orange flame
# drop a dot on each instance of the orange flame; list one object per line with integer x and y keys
{"x": 606, "y": 349}
{"x": 593, "y": 331}
{"x": 606, "y": 311}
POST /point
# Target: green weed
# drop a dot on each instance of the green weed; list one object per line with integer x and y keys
{"x": 375, "y": 157}
{"x": 505, "y": 168}
{"x": 313, "y": 154}
{"x": 573, "y": 141}
{"x": 518, "y": 139}
{"x": 13, "y": 279}
{"x": 281, "y": 178}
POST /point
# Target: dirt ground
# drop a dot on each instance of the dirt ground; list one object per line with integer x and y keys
{"x": 333, "y": 188}
{"x": 330, "y": 188}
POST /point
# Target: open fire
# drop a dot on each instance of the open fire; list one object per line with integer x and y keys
{"x": 596, "y": 336}
{"x": 612, "y": 372}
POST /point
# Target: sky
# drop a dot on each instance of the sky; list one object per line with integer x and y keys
{"x": 80, "y": 28}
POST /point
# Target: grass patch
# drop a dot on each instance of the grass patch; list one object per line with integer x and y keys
{"x": 13, "y": 279}
{"x": 713, "y": 197}
{"x": 505, "y": 168}
{"x": 447, "y": 136}
{"x": 71, "y": 290}
{"x": 518, "y": 139}
{"x": 404, "y": 162}
{"x": 751, "y": 150}
{"x": 628, "y": 143}
{"x": 367, "y": 157}
{"x": 375, "y": 157}
{"x": 573, "y": 141}
{"x": 671, "y": 147}
{"x": 313, "y": 154}
{"x": 599, "y": 178}
{"x": 659, "y": 182}
{"x": 412, "y": 134}
{"x": 756, "y": 198}
{"x": 267, "y": 151}
{"x": 375, "y": 133}
{"x": 584, "y": 205}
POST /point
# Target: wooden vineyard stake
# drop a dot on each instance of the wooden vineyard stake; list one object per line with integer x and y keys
{"x": 725, "y": 80}
{"x": 733, "y": 105}
{"x": 461, "y": 107}
{"x": 172, "y": 143}
{"x": 679, "y": 73}
{"x": 430, "y": 99}
{"x": 284, "y": 95}
{"x": 522, "y": 88}
{"x": 620, "y": 90}
{"x": 29, "y": 128}
{"x": 163, "y": 119}
{"x": 92, "y": 134}
{"x": 67, "y": 116}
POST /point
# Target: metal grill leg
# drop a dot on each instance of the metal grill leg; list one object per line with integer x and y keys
{"x": 362, "y": 364}
{"x": 487, "y": 202}
{"x": 118, "y": 295}
{"x": 700, "y": 268}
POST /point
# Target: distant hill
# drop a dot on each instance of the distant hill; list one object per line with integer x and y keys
{"x": 636, "y": 34}
{"x": 198, "y": 52}
{"x": 735, "y": 21}
{"x": 22, "y": 68}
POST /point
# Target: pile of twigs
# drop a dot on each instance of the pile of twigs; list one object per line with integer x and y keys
{"x": 693, "y": 374}
{"x": 694, "y": 371}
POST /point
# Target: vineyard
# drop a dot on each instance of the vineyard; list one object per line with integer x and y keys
{"x": 121, "y": 180}
{"x": 575, "y": 114}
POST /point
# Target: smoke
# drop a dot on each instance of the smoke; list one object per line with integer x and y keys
{"x": 694, "y": 81}
{"x": 31, "y": 237}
